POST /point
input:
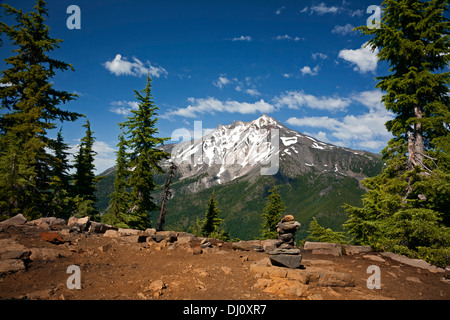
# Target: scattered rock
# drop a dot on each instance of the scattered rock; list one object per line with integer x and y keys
{"x": 52, "y": 237}
{"x": 105, "y": 247}
{"x": 130, "y": 232}
{"x": 374, "y": 258}
{"x": 11, "y": 265}
{"x": 79, "y": 224}
{"x": 97, "y": 227}
{"x": 349, "y": 250}
{"x": 413, "y": 279}
{"x": 156, "y": 285}
{"x": 48, "y": 223}
{"x": 226, "y": 270}
{"x": 286, "y": 260}
{"x": 16, "y": 220}
{"x": 111, "y": 233}
{"x": 44, "y": 254}
{"x": 9, "y": 249}
{"x": 245, "y": 245}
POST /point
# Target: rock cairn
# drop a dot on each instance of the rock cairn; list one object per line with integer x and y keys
{"x": 285, "y": 253}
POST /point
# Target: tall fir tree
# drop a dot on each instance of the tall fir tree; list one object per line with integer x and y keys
{"x": 404, "y": 209}
{"x": 30, "y": 107}
{"x": 211, "y": 224}
{"x": 84, "y": 178}
{"x": 61, "y": 180}
{"x": 144, "y": 157}
{"x": 120, "y": 199}
{"x": 272, "y": 213}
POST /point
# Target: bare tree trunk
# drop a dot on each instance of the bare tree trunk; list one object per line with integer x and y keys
{"x": 166, "y": 195}
{"x": 418, "y": 137}
{"x": 416, "y": 148}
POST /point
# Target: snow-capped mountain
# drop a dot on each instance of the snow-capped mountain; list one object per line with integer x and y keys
{"x": 263, "y": 146}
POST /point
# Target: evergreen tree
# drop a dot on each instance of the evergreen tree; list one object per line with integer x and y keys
{"x": 120, "y": 198}
{"x": 320, "y": 234}
{"x": 211, "y": 224}
{"x": 61, "y": 202}
{"x": 405, "y": 208}
{"x": 30, "y": 107}
{"x": 272, "y": 213}
{"x": 84, "y": 179}
{"x": 144, "y": 157}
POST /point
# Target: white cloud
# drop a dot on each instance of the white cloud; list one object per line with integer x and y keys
{"x": 253, "y": 92}
{"x": 364, "y": 131}
{"x": 221, "y": 82}
{"x": 120, "y": 66}
{"x": 322, "y": 9}
{"x": 314, "y": 122}
{"x": 212, "y": 105}
{"x": 242, "y": 38}
{"x": 287, "y": 75}
{"x": 297, "y": 99}
{"x": 286, "y": 37}
{"x": 364, "y": 58}
{"x": 123, "y": 107}
{"x": 343, "y": 30}
{"x": 278, "y": 11}
{"x": 307, "y": 70}
{"x": 319, "y": 55}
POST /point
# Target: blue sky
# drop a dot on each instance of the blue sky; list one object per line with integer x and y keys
{"x": 217, "y": 61}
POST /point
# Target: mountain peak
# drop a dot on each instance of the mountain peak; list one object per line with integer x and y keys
{"x": 264, "y": 121}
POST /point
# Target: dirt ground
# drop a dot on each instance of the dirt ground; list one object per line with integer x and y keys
{"x": 117, "y": 269}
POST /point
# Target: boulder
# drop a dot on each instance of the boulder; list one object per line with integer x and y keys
{"x": 97, "y": 227}
{"x": 324, "y": 248}
{"x": 79, "y": 224}
{"x": 287, "y": 218}
{"x": 9, "y": 249}
{"x": 52, "y": 237}
{"x": 44, "y": 254}
{"x": 11, "y": 265}
{"x": 111, "y": 233}
{"x": 48, "y": 222}
{"x": 245, "y": 245}
{"x": 286, "y": 260}
{"x": 130, "y": 232}
{"x": 288, "y": 227}
{"x": 170, "y": 236}
{"x": 16, "y": 220}
{"x": 150, "y": 231}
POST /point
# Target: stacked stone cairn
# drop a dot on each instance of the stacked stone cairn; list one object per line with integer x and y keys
{"x": 285, "y": 253}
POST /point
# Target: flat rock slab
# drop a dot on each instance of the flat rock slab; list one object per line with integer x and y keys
{"x": 412, "y": 262}
{"x": 324, "y": 248}
{"x": 52, "y": 237}
{"x": 286, "y": 260}
{"x": 9, "y": 249}
{"x": 11, "y": 265}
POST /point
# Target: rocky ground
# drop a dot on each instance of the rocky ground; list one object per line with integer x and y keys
{"x": 124, "y": 264}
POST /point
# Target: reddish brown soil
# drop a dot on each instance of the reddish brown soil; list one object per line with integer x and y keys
{"x": 125, "y": 270}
